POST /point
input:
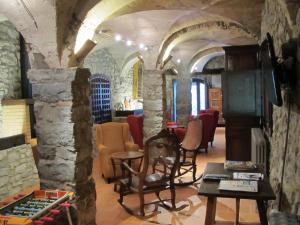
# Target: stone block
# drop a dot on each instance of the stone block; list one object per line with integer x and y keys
{"x": 55, "y": 133}
{"x": 13, "y": 155}
{"x": 21, "y": 168}
{"x": 3, "y": 170}
{"x": 66, "y": 153}
{"x": 3, "y": 156}
{"x": 53, "y": 92}
{"x": 3, "y": 181}
{"x": 53, "y": 112}
{"x": 57, "y": 170}
{"x": 153, "y": 105}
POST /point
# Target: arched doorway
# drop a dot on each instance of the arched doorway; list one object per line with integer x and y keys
{"x": 100, "y": 98}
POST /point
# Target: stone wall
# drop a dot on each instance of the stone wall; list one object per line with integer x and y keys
{"x": 10, "y": 77}
{"x": 277, "y": 21}
{"x": 64, "y": 133}
{"x": 102, "y": 62}
{"x": 17, "y": 171}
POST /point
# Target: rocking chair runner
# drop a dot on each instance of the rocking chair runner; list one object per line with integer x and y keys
{"x": 189, "y": 149}
{"x": 161, "y": 158}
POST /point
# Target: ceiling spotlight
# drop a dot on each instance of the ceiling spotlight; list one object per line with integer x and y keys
{"x": 178, "y": 61}
{"x": 118, "y": 37}
{"x": 128, "y": 43}
{"x": 195, "y": 68}
{"x": 142, "y": 46}
{"x": 146, "y": 48}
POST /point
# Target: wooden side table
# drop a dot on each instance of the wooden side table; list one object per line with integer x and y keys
{"x": 125, "y": 157}
{"x": 211, "y": 191}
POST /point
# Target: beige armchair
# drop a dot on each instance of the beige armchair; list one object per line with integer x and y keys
{"x": 112, "y": 137}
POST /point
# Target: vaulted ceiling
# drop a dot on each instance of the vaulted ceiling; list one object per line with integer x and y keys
{"x": 177, "y": 28}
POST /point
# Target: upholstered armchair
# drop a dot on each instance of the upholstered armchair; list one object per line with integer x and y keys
{"x": 112, "y": 137}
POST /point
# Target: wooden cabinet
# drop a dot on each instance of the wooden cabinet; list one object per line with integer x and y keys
{"x": 215, "y": 102}
{"x": 238, "y": 123}
{"x": 238, "y": 137}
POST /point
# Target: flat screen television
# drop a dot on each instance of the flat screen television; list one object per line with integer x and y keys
{"x": 270, "y": 71}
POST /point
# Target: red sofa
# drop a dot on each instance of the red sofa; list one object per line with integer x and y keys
{"x": 136, "y": 129}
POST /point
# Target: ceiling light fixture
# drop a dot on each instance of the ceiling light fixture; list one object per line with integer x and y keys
{"x": 146, "y": 48}
{"x": 142, "y": 46}
{"x": 118, "y": 37}
{"x": 178, "y": 61}
{"x": 128, "y": 43}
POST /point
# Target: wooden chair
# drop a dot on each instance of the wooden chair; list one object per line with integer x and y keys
{"x": 189, "y": 149}
{"x": 161, "y": 158}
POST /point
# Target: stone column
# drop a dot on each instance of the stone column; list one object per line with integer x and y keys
{"x": 64, "y": 132}
{"x": 153, "y": 102}
{"x": 183, "y": 96}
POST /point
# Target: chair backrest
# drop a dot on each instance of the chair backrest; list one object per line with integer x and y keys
{"x": 193, "y": 135}
{"x": 208, "y": 126}
{"x": 215, "y": 114}
{"x": 113, "y": 134}
{"x": 136, "y": 129}
{"x": 161, "y": 156}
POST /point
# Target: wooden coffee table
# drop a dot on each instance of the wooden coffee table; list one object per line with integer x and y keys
{"x": 211, "y": 191}
{"x": 125, "y": 157}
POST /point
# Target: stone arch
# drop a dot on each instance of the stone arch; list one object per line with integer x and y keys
{"x": 203, "y": 56}
{"x": 195, "y": 30}
{"x": 129, "y": 62}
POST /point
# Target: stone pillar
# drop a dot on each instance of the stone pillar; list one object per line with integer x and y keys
{"x": 64, "y": 132}
{"x": 183, "y": 96}
{"x": 153, "y": 102}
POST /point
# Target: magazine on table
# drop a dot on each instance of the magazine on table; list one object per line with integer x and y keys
{"x": 238, "y": 185}
{"x": 248, "y": 176}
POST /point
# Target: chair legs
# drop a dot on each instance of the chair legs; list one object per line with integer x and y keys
{"x": 192, "y": 168}
{"x": 142, "y": 204}
{"x": 173, "y": 196}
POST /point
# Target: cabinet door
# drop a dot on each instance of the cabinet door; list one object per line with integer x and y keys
{"x": 238, "y": 137}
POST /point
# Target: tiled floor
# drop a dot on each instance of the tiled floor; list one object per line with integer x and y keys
{"x": 109, "y": 212}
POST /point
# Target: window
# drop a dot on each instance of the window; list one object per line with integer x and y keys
{"x": 174, "y": 86}
{"x": 100, "y": 95}
{"x": 199, "y": 96}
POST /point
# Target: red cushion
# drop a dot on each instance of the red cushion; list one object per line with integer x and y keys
{"x": 136, "y": 129}
{"x": 180, "y": 133}
{"x": 171, "y": 123}
{"x": 215, "y": 114}
{"x": 208, "y": 126}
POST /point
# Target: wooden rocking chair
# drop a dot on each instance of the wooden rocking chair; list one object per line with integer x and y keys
{"x": 189, "y": 149}
{"x": 161, "y": 158}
